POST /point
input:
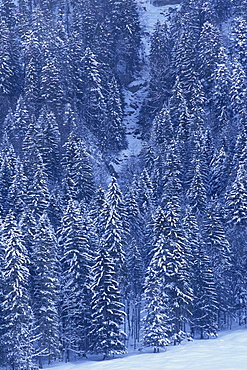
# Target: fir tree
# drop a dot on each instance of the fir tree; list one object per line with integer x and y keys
{"x": 221, "y": 95}
{"x": 160, "y": 71}
{"x": 185, "y": 62}
{"x": 37, "y": 191}
{"x": 7, "y": 173}
{"x": 92, "y": 99}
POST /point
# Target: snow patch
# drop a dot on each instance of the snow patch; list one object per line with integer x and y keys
{"x": 227, "y": 352}
{"x": 137, "y": 90}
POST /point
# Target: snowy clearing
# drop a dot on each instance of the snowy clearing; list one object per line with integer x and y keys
{"x": 228, "y": 351}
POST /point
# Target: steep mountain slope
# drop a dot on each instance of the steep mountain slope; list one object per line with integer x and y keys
{"x": 136, "y": 92}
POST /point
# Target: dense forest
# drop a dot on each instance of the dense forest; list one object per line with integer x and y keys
{"x": 95, "y": 259}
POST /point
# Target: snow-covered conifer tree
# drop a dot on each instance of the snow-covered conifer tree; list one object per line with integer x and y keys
{"x": 106, "y": 336}
{"x": 17, "y": 331}
{"x": 46, "y": 291}
{"x": 204, "y": 320}
{"x": 156, "y": 322}
{"x": 113, "y": 222}
{"x": 78, "y": 182}
{"x": 76, "y": 293}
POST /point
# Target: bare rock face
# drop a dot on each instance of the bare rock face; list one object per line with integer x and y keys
{"x": 164, "y": 2}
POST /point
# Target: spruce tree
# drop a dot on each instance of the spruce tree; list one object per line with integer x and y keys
{"x": 205, "y": 304}
{"x": 197, "y": 193}
{"x": 51, "y": 87}
{"x": 46, "y": 290}
{"x": 156, "y": 322}
{"x": 221, "y": 96}
{"x": 106, "y": 336}
{"x": 221, "y": 258}
{"x": 209, "y": 45}
{"x": 7, "y": 173}
{"x": 135, "y": 281}
{"x": 76, "y": 292}
{"x": 238, "y": 40}
{"x": 18, "y": 329}
{"x": 48, "y": 143}
{"x": 113, "y": 221}
{"x": 236, "y": 218}
{"x": 78, "y": 182}
{"x": 238, "y": 96}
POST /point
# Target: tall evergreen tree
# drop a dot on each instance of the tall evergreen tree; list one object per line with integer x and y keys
{"x": 51, "y": 87}
{"x": 170, "y": 265}
{"x": 156, "y": 322}
{"x": 49, "y": 143}
{"x": 46, "y": 290}
{"x": 197, "y": 193}
{"x": 209, "y": 45}
{"x": 236, "y": 218}
{"x": 160, "y": 71}
{"x": 219, "y": 250}
{"x": 106, "y": 336}
{"x": 76, "y": 293}
{"x": 135, "y": 277}
{"x": 17, "y": 331}
{"x": 78, "y": 179}
{"x": 238, "y": 40}
{"x": 113, "y": 222}
{"x": 205, "y": 303}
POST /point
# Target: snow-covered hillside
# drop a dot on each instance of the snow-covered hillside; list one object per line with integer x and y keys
{"x": 136, "y": 91}
{"x": 227, "y": 352}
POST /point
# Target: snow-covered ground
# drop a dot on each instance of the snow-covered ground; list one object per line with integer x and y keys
{"x": 227, "y": 352}
{"x": 136, "y": 91}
